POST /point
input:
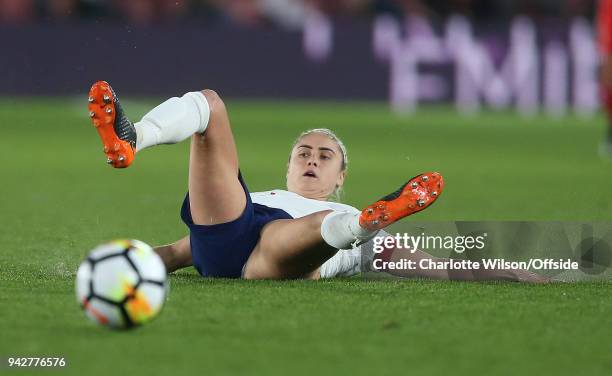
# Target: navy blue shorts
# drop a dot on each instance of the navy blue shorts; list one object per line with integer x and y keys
{"x": 221, "y": 250}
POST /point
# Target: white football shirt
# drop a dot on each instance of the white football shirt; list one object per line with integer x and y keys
{"x": 295, "y": 205}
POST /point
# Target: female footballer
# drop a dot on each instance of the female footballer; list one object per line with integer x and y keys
{"x": 604, "y": 29}
{"x": 278, "y": 234}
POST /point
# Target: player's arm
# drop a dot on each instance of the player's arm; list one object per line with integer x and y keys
{"x": 176, "y": 255}
{"x": 398, "y": 254}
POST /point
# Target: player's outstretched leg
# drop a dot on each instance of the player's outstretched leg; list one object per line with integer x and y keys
{"x": 295, "y": 248}
{"x": 116, "y": 131}
{"x": 417, "y": 194}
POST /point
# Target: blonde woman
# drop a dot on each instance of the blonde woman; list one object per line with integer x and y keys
{"x": 278, "y": 234}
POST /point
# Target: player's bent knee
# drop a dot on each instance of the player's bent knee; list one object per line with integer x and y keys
{"x": 317, "y": 219}
{"x": 214, "y": 100}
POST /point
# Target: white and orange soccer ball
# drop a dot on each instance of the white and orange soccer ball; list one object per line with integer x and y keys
{"x": 122, "y": 284}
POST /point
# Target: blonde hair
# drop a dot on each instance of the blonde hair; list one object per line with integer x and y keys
{"x": 337, "y": 193}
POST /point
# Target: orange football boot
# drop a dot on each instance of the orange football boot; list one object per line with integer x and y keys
{"x": 115, "y": 129}
{"x": 414, "y": 196}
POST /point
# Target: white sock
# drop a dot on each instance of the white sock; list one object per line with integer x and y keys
{"x": 173, "y": 121}
{"x": 341, "y": 230}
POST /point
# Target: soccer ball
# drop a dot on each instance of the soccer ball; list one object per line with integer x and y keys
{"x": 121, "y": 284}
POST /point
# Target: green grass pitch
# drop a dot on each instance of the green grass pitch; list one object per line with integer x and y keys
{"x": 59, "y": 199}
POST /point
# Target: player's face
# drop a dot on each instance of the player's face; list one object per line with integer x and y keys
{"x": 315, "y": 167}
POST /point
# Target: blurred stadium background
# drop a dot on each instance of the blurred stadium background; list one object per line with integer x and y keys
{"x": 531, "y": 55}
{"x": 286, "y": 14}
{"x": 499, "y": 96}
